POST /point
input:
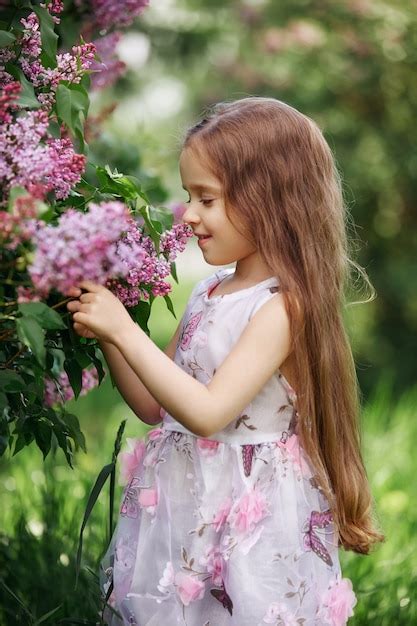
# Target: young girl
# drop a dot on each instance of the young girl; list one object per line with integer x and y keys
{"x": 238, "y": 502}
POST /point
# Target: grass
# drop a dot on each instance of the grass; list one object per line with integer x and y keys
{"x": 42, "y": 506}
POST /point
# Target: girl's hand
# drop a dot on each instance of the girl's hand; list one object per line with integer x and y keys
{"x": 97, "y": 314}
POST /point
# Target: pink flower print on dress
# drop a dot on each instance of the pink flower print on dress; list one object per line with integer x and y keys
{"x": 279, "y": 613}
{"x": 314, "y": 526}
{"x": 248, "y": 511}
{"x": 155, "y": 433}
{"x": 167, "y": 577}
{"x": 189, "y": 330}
{"x": 293, "y": 448}
{"x": 220, "y": 517}
{"x": 188, "y": 588}
{"x": 338, "y": 602}
{"x": 214, "y": 563}
{"x": 148, "y": 499}
{"x": 207, "y": 447}
{"x": 130, "y": 459}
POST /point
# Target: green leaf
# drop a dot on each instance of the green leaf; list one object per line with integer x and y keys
{"x": 95, "y": 492}
{"x": 127, "y": 187}
{"x": 174, "y": 272}
{"x": 48, "y": 36}
{"x": 153, "y": 232}
{"x": 27, "y": 98}
{"x": 162, "y": 215}
{"x": 72, "y": 100}
{"x": 32, "y": 335}
{"x": 60, "y": 432}
{"x": 141, "y": 313}
{"x": 11, "y": 382}
{"x": 74, "y": 425}
{"x": 46, "y": 616}
{"x": 18, "y": 600}
{"x": 46, "y": 316}
{"x": 75, "y": 374}
{"x": 6, "y": 38}
{"x": 170, "y": 306}
{"x": 43, "y": 435}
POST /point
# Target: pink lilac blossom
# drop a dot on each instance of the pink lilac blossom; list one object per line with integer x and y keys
{"x": 250, "y": 509}
{"x": 61, "y": 392}
{"x": 338, "y": 602}
{"x": 106, "y": 246}
{"x": 8, "y": 96}
{"x": 108, "y": 68}
{"x": 83, "y": 246}
{"x": 70, "y": 66}
{"x": 109, "y": 13}
{"x": 153, "y": 269}
{"x": 130, "y": 459}
{"x": 31, "y": 159}
{"x": 19, "y": 225}
{"x": 27, "y": 294}
{"x": 178, "y": 209}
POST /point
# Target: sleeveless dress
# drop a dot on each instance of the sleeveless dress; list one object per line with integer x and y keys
{"x": 231, "y": 530}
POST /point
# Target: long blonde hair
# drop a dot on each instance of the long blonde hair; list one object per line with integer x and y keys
{"x": 282, "y": 186}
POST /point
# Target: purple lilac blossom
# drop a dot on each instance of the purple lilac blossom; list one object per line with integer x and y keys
{"x": 19, "y": 224}
{"x": 31, "y": 159}
{"x": 109, "y": 13}
{"x": 150, "y": 275}
{"x": 107, "y": 246}
{"x": 108, "y": 68}
{"x": 83, "y": 246}
{"x": 61, "y": 391}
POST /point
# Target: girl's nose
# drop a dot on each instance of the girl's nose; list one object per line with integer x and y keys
{"x": 190, "y": 216}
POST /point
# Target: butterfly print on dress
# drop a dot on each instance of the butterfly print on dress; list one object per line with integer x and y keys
{"x": 130, "y": 504}
{"x": 222, "y": 596}
{"x": 189, "y": 330}
{"x": 311, "y": 540}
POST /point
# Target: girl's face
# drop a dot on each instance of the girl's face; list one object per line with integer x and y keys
{"x": 206, "y": 213}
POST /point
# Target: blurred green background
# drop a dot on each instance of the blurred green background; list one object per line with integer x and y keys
{"x": 351, "y": 66}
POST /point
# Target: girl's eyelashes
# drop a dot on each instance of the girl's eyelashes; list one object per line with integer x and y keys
{"x": 205, "y": 201}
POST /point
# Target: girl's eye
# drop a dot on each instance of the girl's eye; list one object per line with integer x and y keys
{"x": 207, "y": 201}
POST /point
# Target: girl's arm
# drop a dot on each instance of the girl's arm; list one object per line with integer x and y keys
{"x": 206, "y": 409}
{"x": 134, "y": 392}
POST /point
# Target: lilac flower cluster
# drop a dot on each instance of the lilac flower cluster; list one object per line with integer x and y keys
{"x": 29, "y": 157}
{"x": 107, "y": 13}
{"x": 107, "y": 246}
{"x": 83, "y": 246}
{"x": 108, "y": 69}
{"x": 148, "y": 277}
{"x": 70, "y": 65}
{"x": 19, "y": 224}
{"x": 8, "y": 97}
{"x": 60, "y": 391}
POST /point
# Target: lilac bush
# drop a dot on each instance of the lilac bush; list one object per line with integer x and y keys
{"x": 58, "y": 228}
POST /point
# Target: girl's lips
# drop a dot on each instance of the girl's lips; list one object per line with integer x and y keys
{"x": 202, "y": 241}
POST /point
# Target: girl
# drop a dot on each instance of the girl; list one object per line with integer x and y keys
{"x": 238, "y": 502}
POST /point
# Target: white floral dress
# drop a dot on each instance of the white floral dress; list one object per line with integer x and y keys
{"x": 232, "y": 530}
